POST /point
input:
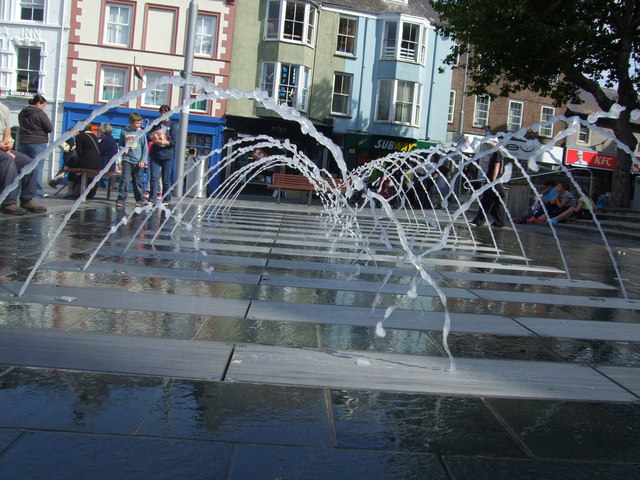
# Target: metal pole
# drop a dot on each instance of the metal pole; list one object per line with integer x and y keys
{"x": 183, "y": 127}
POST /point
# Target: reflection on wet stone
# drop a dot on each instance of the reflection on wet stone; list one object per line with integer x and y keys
{"x": 247, "y": 413}
{"x": 581, "y": 431}
{"x": 419, "y": 423}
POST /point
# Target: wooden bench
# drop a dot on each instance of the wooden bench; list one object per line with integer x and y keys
{"x": 288, "y": 181}
{"x": 87, "y": 172}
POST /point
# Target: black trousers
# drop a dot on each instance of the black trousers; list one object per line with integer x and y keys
{"x": 492, "y": 205}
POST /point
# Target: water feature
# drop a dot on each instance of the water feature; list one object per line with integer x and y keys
{"x": 400, "y": 219}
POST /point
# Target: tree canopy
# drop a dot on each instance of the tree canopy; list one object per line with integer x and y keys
{"x": 555, "y": 48}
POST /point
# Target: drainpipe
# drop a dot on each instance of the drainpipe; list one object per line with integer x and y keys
{"x": 52, "y": 160}
{"x": 433, "y": 68}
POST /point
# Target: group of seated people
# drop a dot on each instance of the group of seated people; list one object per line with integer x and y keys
{"x": 556, "y": 203}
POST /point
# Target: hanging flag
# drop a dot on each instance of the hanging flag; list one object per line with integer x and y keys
{"x": 136, "y": 72}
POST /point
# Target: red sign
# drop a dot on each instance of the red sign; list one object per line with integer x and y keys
{"x": 258, "y": 154}
{"x": 582, "y": 158}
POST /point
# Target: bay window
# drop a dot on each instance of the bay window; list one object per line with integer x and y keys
{"x": 286, "y": 82}
{"x": 404, "y": 41}
{"x": 398, "y": 102}
{"x": 291, "y": 21}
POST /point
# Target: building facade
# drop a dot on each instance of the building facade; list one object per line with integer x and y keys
{"x": 366, "y": 74}
{"x": 591, "y": 153}
{"x": 122, "y": 49}
{"x": 33, "y": 47}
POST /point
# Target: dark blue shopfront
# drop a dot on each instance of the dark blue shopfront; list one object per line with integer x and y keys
{"x": 205, "y": 133}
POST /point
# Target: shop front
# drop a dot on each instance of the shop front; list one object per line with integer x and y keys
{"x": 245, "y": 129}
{"x": 595, "y": 168}
{"x": 205, "y": 134}
{"x": 360, "y": 149}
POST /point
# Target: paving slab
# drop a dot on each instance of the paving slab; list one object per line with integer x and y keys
{"x": 196, "y": 256}
{"x": 64, "y": 456}
{"x": 628, "y": 377}
{"x": 155, "y": 272}
{"x": 582, "y": 329}
{"x": 113, "y": 353}
{"x": 362, "y": 286}
{"x": 553, "y": 299}
{"x": 345, "y": 267}
{"x": 367, "y": 317}
{"x": 526, "y": 280}
{"x": 430, "y": 375}
{"x": 153, "y": 302}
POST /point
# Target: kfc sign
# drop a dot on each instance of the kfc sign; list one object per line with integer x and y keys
{"x": 582, "y": 158}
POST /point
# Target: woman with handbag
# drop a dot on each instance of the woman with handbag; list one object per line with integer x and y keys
{"x": 88, "y": 156}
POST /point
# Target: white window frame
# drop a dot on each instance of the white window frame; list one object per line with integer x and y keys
{"x": 452, "y": 106}
{"x": 514, "y": 116}
{"x": 117, "y": 32}
{"x": 205, "y": 37}
{"x": 159, "y": 95}
{"x": 104, "y": 79}
{"x": 481, "y": 115}
{"x": 198, "y": 90}
{"x": 546, "y": 131}
{"x": 279, "y": 26}
{"x": 583, "y": 134}
{"x": 342, "y": 85}
{"x": 274, "y": 76}
{"x": 398, "y": 44}
{"x": 347, "y": 31}
{"x": 30, "y": 70}
{"x": 32, "y": 6}
{"x": 391, "y": 107}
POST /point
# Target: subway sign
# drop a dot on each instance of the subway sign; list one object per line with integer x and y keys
{"x": 602, "y": 161}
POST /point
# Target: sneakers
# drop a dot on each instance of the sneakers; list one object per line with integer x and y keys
{"x": 532, "y": 220}
{"x": 542, "y": 218}
{"x": 13, "y": 209}
{"x": 552, "y": 221}
{"x": 33, "y": 207}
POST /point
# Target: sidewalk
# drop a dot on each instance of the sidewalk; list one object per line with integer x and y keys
{"x": 244, "y": 347}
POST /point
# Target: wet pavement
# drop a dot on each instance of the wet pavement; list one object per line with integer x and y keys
{"x": 244, "y": 346}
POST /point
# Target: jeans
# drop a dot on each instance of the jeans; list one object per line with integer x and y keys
{"x": 32, "y": 150}
{"x": 9, "y": 169}
{"x": 166, "y": 166}
{"x": 131, "y": 172}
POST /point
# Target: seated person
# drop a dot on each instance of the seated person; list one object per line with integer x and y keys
{"x": 547, "y": 193}
{"x": 584, "y": 209}
{"x": 11, "y": 165}
{"x": 563, "y": 200}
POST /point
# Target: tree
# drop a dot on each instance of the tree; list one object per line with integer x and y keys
{"x": 555, "y": 48}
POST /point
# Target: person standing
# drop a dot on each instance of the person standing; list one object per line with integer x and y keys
{"x": 11, "y": 164}
{"x": 134, "y": 160}
{"x": 35, "y": 128}
{"x": 491, "y": 201}
{"x": 161, "y": 154}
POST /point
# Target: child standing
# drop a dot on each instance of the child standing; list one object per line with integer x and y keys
{"x": 134, "y": 160}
